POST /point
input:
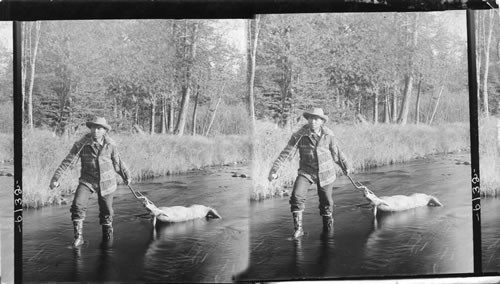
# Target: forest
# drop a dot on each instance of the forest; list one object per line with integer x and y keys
{"x": 381, "y": 67}
{"x": 142, "y": 75}
{"x": 160, "y": 75}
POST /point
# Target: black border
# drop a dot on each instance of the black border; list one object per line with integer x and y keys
{"x": 26, "y": 10}
{"x": 18, "y": 154}
{"x": 474, "y": 141}
{"x": 31, "y": 10}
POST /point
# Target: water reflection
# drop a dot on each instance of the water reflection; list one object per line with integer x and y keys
{"x": 425, "y": 240}
{"x": 298, "y": 260}
{"x": 490, "y": 233}
{"x": 200, "y": 250}
{"x": 78, "y": 264}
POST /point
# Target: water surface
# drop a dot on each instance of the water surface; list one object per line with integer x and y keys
{"x": 490, "y": 234}
{"x": 422, "y": 241}
{"x": 212, "y": 250}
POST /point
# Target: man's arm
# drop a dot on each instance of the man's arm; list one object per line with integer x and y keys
{"x": 120, "y": 167}
{"x": 68, "y": 162}
{"x": 286, "y": 154}
{"x": 340, "y": 158}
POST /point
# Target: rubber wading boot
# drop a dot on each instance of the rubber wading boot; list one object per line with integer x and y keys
{"x": 78, "y": 230}
{"x": 107, "y": 232}
{"x": 327, "y": 223}
{"x": 297, "y": 224}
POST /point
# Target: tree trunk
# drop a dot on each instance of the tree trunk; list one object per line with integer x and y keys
{"x": 115, "y": 107}
{"x": 153, "y": 114}
{"x": 405, "y": 104}
{"x": 478, "y": 58}
{"x": 358, "y": 106}
{"x": 436, "y": 106}
{"x": 487, "y": 63}
{"x": 170, "y": 129}
{"x": 181, "y": 121}
{"x": 213, "y": 116}
{"x": 417, "y": 105}
{"x": 195, "y": 109}
{"x": 338, "y": 105}
{"x": 24, "y": 63}
{"x": 186, "y": 90}
{"x": 136, "y": 115}
{"x": 286, "y": 79}
{"x": 375, "y": 106}
{"x": 34, "y": 51}
{"x": 163, "y": 114}
{"x": 387, "y": 109}
{"x": 394, "y": 104}
{"x": 252, "y": 52}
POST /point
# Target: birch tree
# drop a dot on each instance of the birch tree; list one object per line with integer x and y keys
{"x": 487, "y": 45}
{"x": 189, "y": 53}
{"x": 253, "y": 37}
{"x": 409, "y": 76}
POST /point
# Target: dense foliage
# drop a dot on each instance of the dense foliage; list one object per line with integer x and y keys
{"x": 136, "y": 73}
{"x": 379, "y": 67}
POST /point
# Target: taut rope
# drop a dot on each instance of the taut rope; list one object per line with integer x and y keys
{"x": 145, "y": 201}
{"x": 359, "y": 185}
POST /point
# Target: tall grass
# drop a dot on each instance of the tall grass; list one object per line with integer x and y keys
{"x": 364, "y": 145}
{"x": 489, "y": 160}
{"x": 6, "y": 117}
{"x": 147, "y": 156}
{"x": 6, "y": 146}
{"x": 6, "y": 134}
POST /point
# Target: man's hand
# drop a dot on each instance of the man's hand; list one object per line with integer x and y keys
{"x": 54, "y": 184}
{"x": 348, "y": 171}
{"x": 128, "y": 181}
{"x": 272, "y": 176}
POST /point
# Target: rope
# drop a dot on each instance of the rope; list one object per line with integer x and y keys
{"x": 137, "y": 194}
{"x": 145, "y": 201}
{"x": 359, "y": 185}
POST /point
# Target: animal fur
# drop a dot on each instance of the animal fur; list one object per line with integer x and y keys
{"x": 180, "y": 213}
{"x": 399, "y": 202}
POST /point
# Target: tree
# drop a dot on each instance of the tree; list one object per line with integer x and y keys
{"x": 409, "y": 76}
{"x": 188, "y": 54}
{"x": 253, "y": 36}
{"x": 30, "y": 41}
{"x": 486, "y": 47}
{"x": 350, "y": 64}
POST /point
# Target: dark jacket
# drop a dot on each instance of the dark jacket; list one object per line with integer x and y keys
{"x": 99, "y": 166}
{"x": 317, "y": 158}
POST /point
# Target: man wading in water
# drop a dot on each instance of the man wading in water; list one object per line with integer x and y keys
{"x": 318, "y": 151}
{"x": 100, "y": 161}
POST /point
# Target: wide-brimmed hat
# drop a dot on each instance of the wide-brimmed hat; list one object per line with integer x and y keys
{"x": 101, "y": 121}
{"x": 316, "y": 112}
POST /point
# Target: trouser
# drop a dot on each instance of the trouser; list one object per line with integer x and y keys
{"x": 299, "y": 195}
{"x": 80, "y": 202}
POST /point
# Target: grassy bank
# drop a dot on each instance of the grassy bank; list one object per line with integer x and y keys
{"x": 6, "y": 147}
{"x": 489, "y": 160}
{"x": 364, "y": 145}
{"x": 147, "y": 156}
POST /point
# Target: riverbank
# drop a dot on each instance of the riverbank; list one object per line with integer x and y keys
{"x": 489, "y": 159}
{"x": 146, "y": 156}
{"x": 365, "y": 146}
{"x": 150, "y": 156}
{"x": 6, "y": 147}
